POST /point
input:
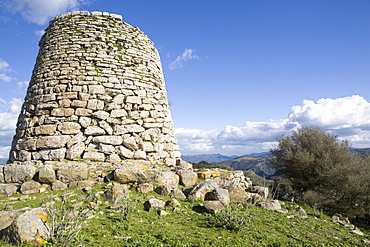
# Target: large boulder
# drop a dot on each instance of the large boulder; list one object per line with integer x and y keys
{"x": 201, "y": 189}
{"x": 17, "y": 173}
{"x": 231, "y": 179}
{"x": 272, "y": 205}
{"x": 30, "y": 227}
{"x": 213, "y": 206}
{"x": 30, "y": 187}
{"x": 130, "y": 173}
{"x": 218, "y": 194}
{"x": 187, "y": 178}
{"x": 7, "y": 189}
{"x": 72, "y": 171}
{"x": 168, "y": 179}
{"x": 153, "y": 204}
{"x": 46, "y": 175}
{"x": 7, "y": 217}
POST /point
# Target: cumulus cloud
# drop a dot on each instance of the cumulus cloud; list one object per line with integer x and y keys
{"x": 8, "y": 121}
{"x": 181, "y": 61}
{"x": 22, "y": 84}
{"x": 40, "y": 11}
{"x": 348, "y": 118}
{"x": 5, "y": 67}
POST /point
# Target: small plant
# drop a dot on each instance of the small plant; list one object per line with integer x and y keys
{"x": 127, "y": 207}
{"x": 230, "y": 218}
{"x": 65, "y": 223}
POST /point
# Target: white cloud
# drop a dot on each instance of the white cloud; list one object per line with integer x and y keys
{"x": 8, "y": 121}
{"x": 40, "y": 11}
{"x": 348, "y": 118}
{"x": 5, "y": 77}
{"x": 4, "y": 66}
{"x": 181, "y": 61}
{"x": 22, "y": 84}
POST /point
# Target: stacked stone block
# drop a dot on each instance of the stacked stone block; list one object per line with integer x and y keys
{"x": 97, "y": 93}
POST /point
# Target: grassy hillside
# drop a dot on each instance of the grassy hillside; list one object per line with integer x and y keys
{"x": 188, "y": 225}
{"x": 260, "y": 165}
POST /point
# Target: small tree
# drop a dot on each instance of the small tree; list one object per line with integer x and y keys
{"x": 318, "y": 165}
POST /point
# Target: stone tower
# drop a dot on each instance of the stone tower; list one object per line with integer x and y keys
{"x": 97, "y": 94}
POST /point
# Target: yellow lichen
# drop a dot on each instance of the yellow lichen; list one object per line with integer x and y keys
{"x": 40, "y": 239}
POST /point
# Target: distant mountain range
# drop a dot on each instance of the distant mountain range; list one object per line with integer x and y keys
{"x": 3, "y": 161}
{"x": 259, "y": 163}
{"x": 210, "y": 158}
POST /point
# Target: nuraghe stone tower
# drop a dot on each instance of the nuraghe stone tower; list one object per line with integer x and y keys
{"x": 96, "y": 94}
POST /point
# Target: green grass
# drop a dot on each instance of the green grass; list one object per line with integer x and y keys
{"x": 189, "y": 226}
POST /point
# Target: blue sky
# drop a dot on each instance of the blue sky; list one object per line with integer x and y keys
{"x": 239, "y": 73}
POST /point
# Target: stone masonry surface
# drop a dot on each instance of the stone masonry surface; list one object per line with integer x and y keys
{"x": 97, "y": 93}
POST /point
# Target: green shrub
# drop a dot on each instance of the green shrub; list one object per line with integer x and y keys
{"x": 231, "y": 218}
{"x": 324, "y": 172}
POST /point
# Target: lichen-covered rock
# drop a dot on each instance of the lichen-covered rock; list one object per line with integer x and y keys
{"x": 163, "y": 190}
{"x": 30, "y": 187}
{"x": 72, "y": 171}
{"x": 173, "y": 203}
{"x": 168, "y": 179}
{"x": 58, "y": 185}
{"x": 130, "y": 173}
{"x": 116, "y": 193}
{"x": 153, "y": 204}
{"x": 7, "y": 189}
{"x": 16, "y": 173}
{"x": 272, "y": 205}
{"x": 176, "y": 193}
{"x": 201, "y": 189}
{"x": 213, "y": 206}
{"x": 46, "y": 175}
{"x": 218, "y": 194}
{"x": 144, "y": 188}
{"x": 30, "y": 227}
{"x": 8, "y": 216}
{"x": 187, "y": 178}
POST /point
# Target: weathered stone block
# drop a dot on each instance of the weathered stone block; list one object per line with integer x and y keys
{"x": 72, "y": 171}
{"x": 94, "y": 131}
{"x": 45, "y": 142}
{"x": 69, "y": 128}
{"x": 130, "y": 173}
{"x": 46, "y": 174}
{"x": 58, "y": 185}
{"x": 15, "y": 173}
{"x": 75, "y": 151}
{"x": 187, "y": 178}
{"x": 45, "y": 129}
{"x": 111, "y": 140}
{"x": 166, "y": 179}
{"x": 29, "y": 227}
{"x": 30, "y": 187}
{"x": 94, "y": 156}
{"x": 62, "y": 112}
{"x": 7, "y": 189}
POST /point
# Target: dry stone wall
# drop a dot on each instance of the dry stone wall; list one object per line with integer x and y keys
{"x": 97, "y": 93}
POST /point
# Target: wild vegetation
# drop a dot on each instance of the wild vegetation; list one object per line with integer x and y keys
{"x": 324, "y": 172}
{"x": 188, "y": 225}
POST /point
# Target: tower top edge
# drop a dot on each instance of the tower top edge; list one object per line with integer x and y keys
{"x": 88, "y": 13}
